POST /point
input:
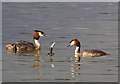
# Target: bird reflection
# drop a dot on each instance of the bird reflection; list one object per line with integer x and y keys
{"x": 75, "y": 68}
{"x": 37, "y": 65}
{"x": 51, "y": 58}
{"x": 51, "y": 55}
{"x": 77, "y": 58}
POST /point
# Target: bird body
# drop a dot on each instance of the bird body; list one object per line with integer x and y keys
{"x": 85, "y": 53}
{"x": 25, "y": 46}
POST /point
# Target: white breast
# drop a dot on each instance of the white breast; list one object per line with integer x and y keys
{"x": 37, "y": 42}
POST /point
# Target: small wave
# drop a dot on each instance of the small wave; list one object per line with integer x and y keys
{"x": 107, "y": 33}
{"x": 80, "y": 28}
{"x": 56, "y": 28}
{"x": 88, "y": 8}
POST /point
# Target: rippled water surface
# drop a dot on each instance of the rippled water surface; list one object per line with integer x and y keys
{"x": 94, "y": 24}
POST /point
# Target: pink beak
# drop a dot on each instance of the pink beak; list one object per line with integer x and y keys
{"x": 68, "y": 46}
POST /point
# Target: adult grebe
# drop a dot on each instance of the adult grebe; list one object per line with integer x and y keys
{"x": 85, "y": 53}
{"x": 25, "y": 46}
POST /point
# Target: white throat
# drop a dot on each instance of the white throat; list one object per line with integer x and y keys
{"x": 77, "y": 50}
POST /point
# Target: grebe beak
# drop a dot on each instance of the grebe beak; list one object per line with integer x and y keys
{"x": 44, "y": 34}
{"x": 68, "y": 45}
{"x": 71, "y": 43}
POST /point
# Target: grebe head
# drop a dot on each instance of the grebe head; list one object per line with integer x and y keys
{"x": 74, "y": 42}
{"x": 9, "y": 46}
{"x": 38, "y": 33}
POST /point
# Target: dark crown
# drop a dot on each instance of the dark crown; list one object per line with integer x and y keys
{"x": 39, "y": 31}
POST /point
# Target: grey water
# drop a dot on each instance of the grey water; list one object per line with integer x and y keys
{"x": 93, "y": 23}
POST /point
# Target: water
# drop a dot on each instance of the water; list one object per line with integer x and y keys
{"x": 94, "y": 24}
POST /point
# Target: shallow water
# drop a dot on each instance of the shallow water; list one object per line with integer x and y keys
{"x": 94, "y": 24}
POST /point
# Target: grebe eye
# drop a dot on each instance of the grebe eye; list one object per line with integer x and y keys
{"x": 41, "y": 34}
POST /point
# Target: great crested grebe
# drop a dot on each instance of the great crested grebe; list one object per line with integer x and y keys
{"x": 85, "y": 53}
{"x": 26, "y": 46}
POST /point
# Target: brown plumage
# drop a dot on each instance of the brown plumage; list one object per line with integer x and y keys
{"x": 92, "y": 53}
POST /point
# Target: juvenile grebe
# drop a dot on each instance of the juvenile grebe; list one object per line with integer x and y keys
{"x": 26, "y": 46}
{"x": 85, "y": 53}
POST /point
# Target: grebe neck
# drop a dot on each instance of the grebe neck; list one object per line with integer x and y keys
{"x": 77, "y": 49}
{"x": 78, "y": 45}
{"x": 36, "y": 44}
